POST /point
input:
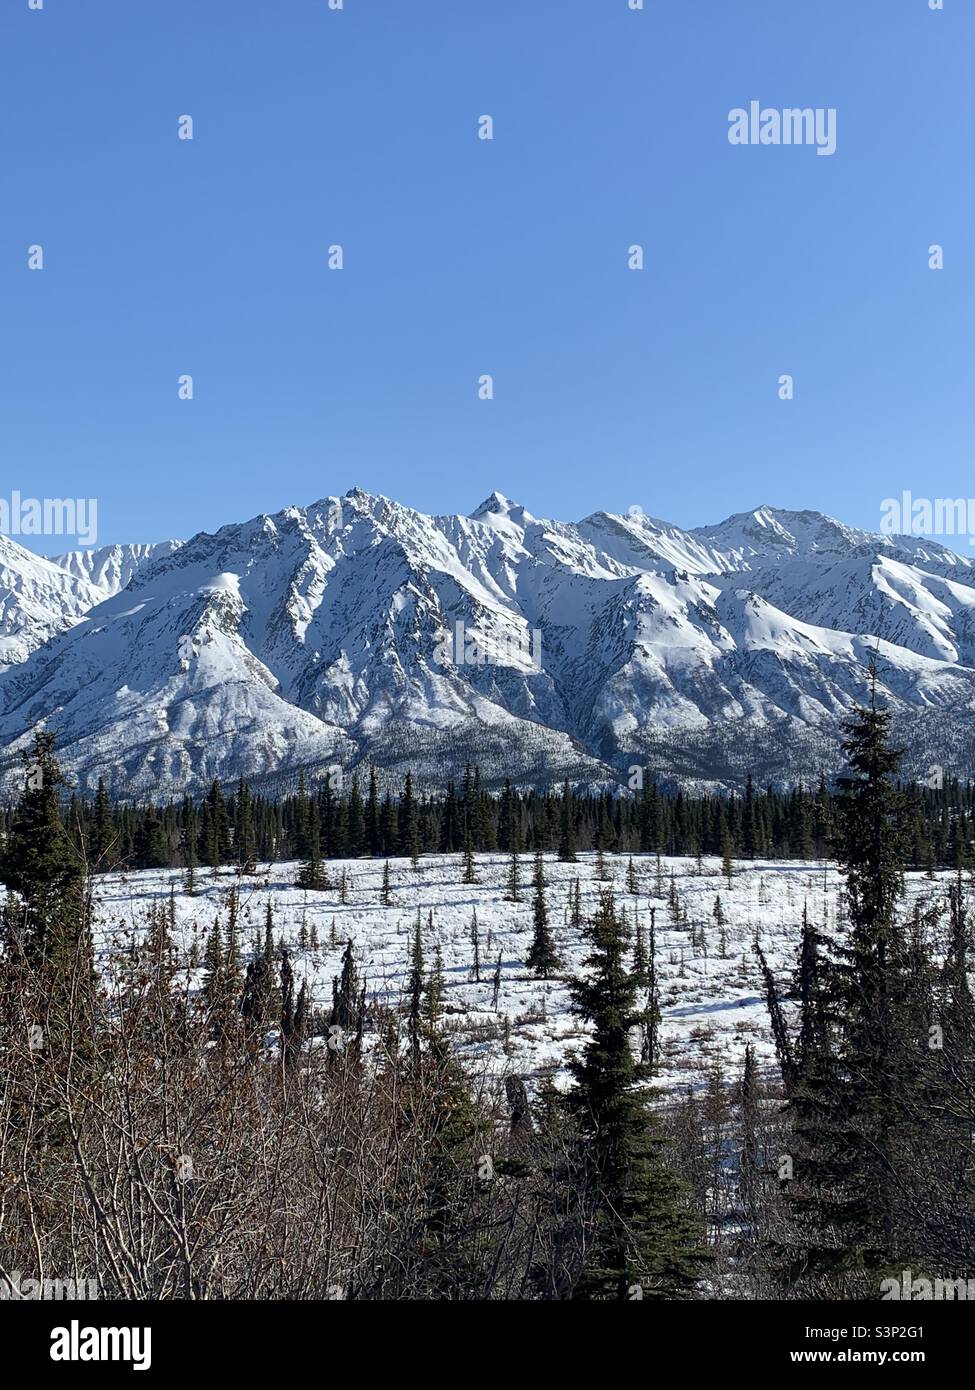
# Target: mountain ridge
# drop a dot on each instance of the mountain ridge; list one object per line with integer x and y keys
{"x": 315, "y": 637}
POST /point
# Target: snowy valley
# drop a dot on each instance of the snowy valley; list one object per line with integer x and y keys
{"x": 711, "y": 991}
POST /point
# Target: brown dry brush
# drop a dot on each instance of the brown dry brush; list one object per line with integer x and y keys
{"x": 152, "y": 1142}
{"x": 158, "y": 1141}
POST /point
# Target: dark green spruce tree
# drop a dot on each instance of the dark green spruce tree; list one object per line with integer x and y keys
{"x": 856, "y": 1098}
{"x": 644, "y": 1242}
{"x": 567, "y": 826}
{"x": 543, "y": 958}
{"x": 45, "y": 917}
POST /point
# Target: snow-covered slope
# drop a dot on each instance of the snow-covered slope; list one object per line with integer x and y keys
{"x": 110, "y": 567}
{"x": 358, "y": 628}
{"x": 711, "y": 991}
{"x": 37, "y": 600}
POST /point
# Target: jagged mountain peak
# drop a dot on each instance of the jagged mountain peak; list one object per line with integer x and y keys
{"x": 358, "y": 628}
{"x": 494, "y": 502}
{"x": 768, "y": 530}
{"x": 497, "y": 508}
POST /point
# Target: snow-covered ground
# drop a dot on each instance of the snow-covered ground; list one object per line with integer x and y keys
{"x": 712, "y": 1003}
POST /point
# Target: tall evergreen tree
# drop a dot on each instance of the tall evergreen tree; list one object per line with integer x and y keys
{"x": 859, "y": 1059}
{"x": 345, "y": 1010}
{"x": 245, "y": 838}
{"x": 386, "y": 891}
{"x": 373, "y": 823}
{"x": 643, "y": 1242}
{"x": 217, "y": 826}
{"x": 103, "y": 835}
{"x": 542, "y": 958}
{"x": 567, "y": 826}
{"x": 513, "y": 886}
{"x": 356, "y": 820}
{"x": 414, "y": 987}
{"x": 312, "y": 874}
{"x": 46, "y": 917}
{"x": 469, "y": 874}
{"x": 409, "y": 825}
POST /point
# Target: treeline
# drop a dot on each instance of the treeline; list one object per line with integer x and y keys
{"x": 322, "y": 822}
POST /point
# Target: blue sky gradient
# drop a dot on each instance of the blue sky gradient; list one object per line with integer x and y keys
{"x": 612, "y": 387}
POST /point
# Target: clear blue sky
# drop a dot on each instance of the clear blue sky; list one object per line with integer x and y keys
{"x": 464, "y": 257}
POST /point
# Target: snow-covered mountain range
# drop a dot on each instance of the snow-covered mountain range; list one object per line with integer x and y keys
{"x": 41, "y": 597}
{"x": 110, "y": 567}
{"x": 37, "y": 600}
{"x": 358, "y": 630}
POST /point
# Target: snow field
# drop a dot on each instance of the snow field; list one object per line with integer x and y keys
{"x": 712, "y": 1004}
